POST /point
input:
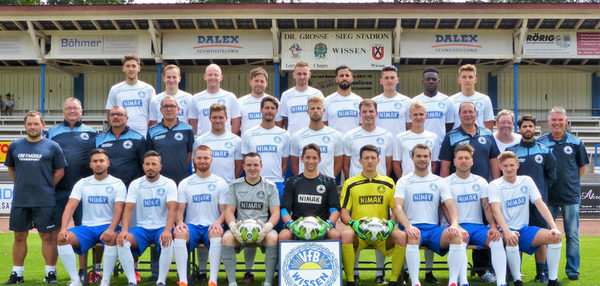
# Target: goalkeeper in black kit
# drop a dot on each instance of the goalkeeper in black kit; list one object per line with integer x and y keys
{"x": 310, "y": 205}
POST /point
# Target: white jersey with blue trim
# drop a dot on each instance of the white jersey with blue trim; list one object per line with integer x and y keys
{"x": 341, "y": 112}
{"x": 404, "y": 143}
{"x": 467, "y": 194}
{"x": 98, "y": 198}
{"x": 358, "y": 137}
{"x": 293, "y": 105}
{"x": 136, "y": 99}
{"x": 272, "y": 145}
{"x": 202, "y": 197}
{"x": 226, "y": 148}
{"x": 250, "y": 111}
{"x": 183, "y": 100}
{"x": 330, "y": 142}
{"x": 392, "y": 113}
{"x": 200, "y": 108}
{"x": 440, "y": 111}
{"x": 483, "y": 106}
{"x": 422, "y": 197}
{"x": 150, "y": 199}
{"x": 514, "y": 199}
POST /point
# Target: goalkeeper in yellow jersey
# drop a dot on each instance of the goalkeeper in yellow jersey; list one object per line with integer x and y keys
{"x": 369, "y": 195}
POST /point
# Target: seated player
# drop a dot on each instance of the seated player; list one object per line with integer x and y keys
{"x": 154, "y": 198}
{"x": 253, "y": 197}
{"x": 102, "y": 197}
{"x": 510, "y": 196}
{"x": 310, "y": 194}
{"x": 470, "y": 192}
{"x": 202, "y": 198}
{"x": 369, "y": 194}
{"x": 417, "y": 200}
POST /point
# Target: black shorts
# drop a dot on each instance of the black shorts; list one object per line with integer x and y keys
{"x": 26, "y": 218}
{"x": 536, "y": 218}
{"x": 62, "y": 198}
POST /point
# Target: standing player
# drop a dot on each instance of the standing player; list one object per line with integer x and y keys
{"x": 102, "y": 197}
{"x": 341, "y": 107}
{"x": 505, "y": 136}
{"x": 250, "y": 103}
{"x": 565, "y": 194}
{"x": 310, "y": 194}
{"x": 369, "y": 194}
{"x": 537, "y": 162}
{"x": 328, "y": 140}
{"x": 171, "y": 78}
{"x": 253, "y": 197}
{"x": 34, "y": 199}
{"x": 417, "y": 200}
{"x": 154, "y": 199}
{"x": 200, "y": 107}
{"x": 510, "y": 196}
{"x": 293, "y": 101}
{"x": 393, "y": 106}
{"x": 133, "y": 94}
{"x": 201, "y": 197}
{"x": 467, "y": 78}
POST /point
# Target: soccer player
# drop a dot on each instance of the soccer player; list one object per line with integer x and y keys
{"x": 171, "y": 77}
{"x": 405, "y": 141}
{"x": 565, "y": 194}
{"x": 201, "y": 197}
{"x": 467, "y": 78}
{"x": 253, "y": 197}
{"x": 201, "y": 102}
{"x": 537, "y": 162}
{"x": 310, "y": 194}
{"x": 102, "y": 197}
{"x": 440, "y": 110}
{"x": 293, "y": 106}
{"x": 417, "y": 200}
{"x": 392, "y": 106}
{"x": 470, "y": 193}
{"x": 173, "y": 139}
{"x": 154, "y": 199}
{"x": 250, "y": 103}
{"x": 341, "y": 107}
{"x": 369, "y": 194}
{"x": 35, "y": 165}
{"x": 510, "y": 196}
{"x": 505, "y": 135}
{"x": 133, "y": 94}
{"x": 367, "y": 133}
{"x": 125, "y": 147}
{"x": 328, "y": 140}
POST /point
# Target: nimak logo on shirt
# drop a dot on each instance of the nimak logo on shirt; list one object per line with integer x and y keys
{"x": 201, "y": 198}
{"x": 423, "y": 197}
{"x": 266, "y": 148}
{"x": 467, "y": 198}
{"x": 151, "y": 203}
{"x": 347, "y": 113}
{"x": 220, "y": 154}
{"x": 298, "y": 108}
{"x": 254, "y": 115}
{"x": 389, "y": 115}
{"x": 132, "y": 103}
{"x": 98, "y": 200}
{"x": 515, "y": 202}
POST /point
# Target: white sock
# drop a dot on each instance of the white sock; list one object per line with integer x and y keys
{"x": 202, "y": 254}
{"x": 356, "y": 260}
{"x": 181, "y": 258}
{"x": 110, "y": 259}
{"x": 462, "y": 275}
{"x": 67, "y": 255}
{"x": 553, "y": 258}
{"x": 19, "y": 270}
{"x": 514, "y": 261}
{"x": 498, "y": 261}
{"x": 49, "y": 268}
{"x": 126, "y": 259}
{"x": 455, "y": 262}
{"x": 413, "y": 259}
{"x": 164, "y": 263}
{"x": 214, "y": 254}
{"x": 380, "y": 262}
{"x": 249, "y": 255}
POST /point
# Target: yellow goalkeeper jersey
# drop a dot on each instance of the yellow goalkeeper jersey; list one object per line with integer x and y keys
{"x": 368, "y": 197}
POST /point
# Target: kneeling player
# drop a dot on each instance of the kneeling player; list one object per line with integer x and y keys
{"x": 253, "y": 197}
{"x": 310, "y": 194}
{"x": 417, "y": 200}
{"x": 470, "y": 193}
{"x": 510, "y": 196}
{"x": 202, "y": 197}
{"x": 102, "y": 197}
{"x": 369, "y": 194}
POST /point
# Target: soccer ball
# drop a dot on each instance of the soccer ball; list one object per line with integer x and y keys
{"x": 375, "y": 229}
{"x": 309, "y": 228}
{"x": 249, "y": 230}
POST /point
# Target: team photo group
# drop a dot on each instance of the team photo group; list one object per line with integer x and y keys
{"x": 215, "y": 174}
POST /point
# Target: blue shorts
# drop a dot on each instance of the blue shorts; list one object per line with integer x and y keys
{"x": 431, "y": 235}
{"x": 144, "y": 238}
{"x": 88, "y": 236}
{"x": 478, "y": 233}
{"x": 527, "y": 234}
{"x": 198, "y": 235}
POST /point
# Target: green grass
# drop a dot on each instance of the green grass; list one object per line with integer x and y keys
{"x": 34, "y": 266}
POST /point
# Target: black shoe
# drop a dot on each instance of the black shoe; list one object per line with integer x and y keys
{"x": 248, "y": 278}
{"x": 14, "y": 279}
{"x": 573, "y": 277}
{"x": 518, "y": 283}
{"x": 356, "y": 278}
{"x": 202, "y": 278}
{"x": 379, "y": 279}
{"x": 350, "y": 283}
{"x": 51, "y": 278}
{"x": 553, "y": 283}
{"x": 152, "y": 278}
{"x": 542, "y": 278}
{"x": 429, "y": 278}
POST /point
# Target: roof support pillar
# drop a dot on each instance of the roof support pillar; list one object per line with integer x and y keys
{"x": 396, "y": 40}
{"x": 156, "y": 39}
{"x": 276, "y": 55}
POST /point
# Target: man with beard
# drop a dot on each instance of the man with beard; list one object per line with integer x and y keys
{"x": 505, "y": 136}
{"x": 537, "y": 162}
{"x": 392, "y": 106}
{"x": 171, "y": 78}
{"x": 341, "y": 107}
{"x": 250, "y": 103}
{"x": 34, "y": 199}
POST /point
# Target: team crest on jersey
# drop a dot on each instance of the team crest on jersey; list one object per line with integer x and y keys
{"x": 228, "y": 145}
{"x": 476, "y": 187}
{"x": 478, "y": 105}
{"x": 260, "y": 195}
{"x": 211, "y": 187}
{"x": 84, "y": 136}
{"x": 380, "y": 189}
{"x": 161, "y": 191}
{"x": 127, "y": 144}
{"x": 380, "y": 141}
{"x": 178, "y": 136}
{"x": 182, "y": 103}
{"x": 429, "y": 143}
{"x": 277, "y": 139}
{"x": 109, "y": 189}
{"x": 539, "y": 158}
{"x": 321, "y": 189}
{"x": 326, "y": 139}
{"x": 523, "y": 189}
{"x": 481, "y": 140}
{"x": 221, "y": 101}
{"x": 356, "y": 104}
{"x": 433, "y": 186}
{"x": 568, "y": 150}
{"x": 106, "y": 145}
{"x": 398, "y": 105}
{"x": 141, "y": 93}
{"x": 310, "y": 264}
{"x": 441, "y": 104}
